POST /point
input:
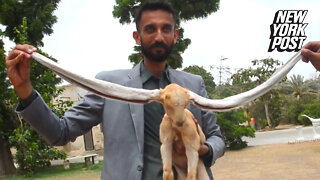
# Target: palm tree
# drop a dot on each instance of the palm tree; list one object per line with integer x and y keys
{"x": 297, "y": 87}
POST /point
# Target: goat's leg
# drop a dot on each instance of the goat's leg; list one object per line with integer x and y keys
{"x": 193, "y": 158}
{"x": 201, "y": 171}
{"x": 191, "y": 141}
{"x": 166, "y": 148}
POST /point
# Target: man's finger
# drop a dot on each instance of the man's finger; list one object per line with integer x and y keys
{"x": 25, "y": 61}
{"x": 313, "y": 57}
{"x": 13, "y": 54}
{"x": 26, "y": 48}
{"x": 305, "y": 55}
{"x": 14, "y": 61}
{"x": 204, "y": 149}
{"x": 313, "y": 46}
{"x": 310, "y": 55}
{"x": 20, "y": 57}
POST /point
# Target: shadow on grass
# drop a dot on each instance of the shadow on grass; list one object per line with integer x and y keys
{"x": 58, "y": 172}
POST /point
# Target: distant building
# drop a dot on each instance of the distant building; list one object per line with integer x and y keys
{"x": 91, "y": 141}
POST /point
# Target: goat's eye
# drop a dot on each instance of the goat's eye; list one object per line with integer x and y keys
{"x": 167, "y": 96}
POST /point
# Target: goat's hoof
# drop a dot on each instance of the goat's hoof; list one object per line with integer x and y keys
{"x": 167, "y": 174}
{"x": 191, "y": 176}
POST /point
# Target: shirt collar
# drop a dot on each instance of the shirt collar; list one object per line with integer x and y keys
{"x": 146, "y": 75}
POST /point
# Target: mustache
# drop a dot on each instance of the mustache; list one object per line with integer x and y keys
{"x": 159, "y": 44}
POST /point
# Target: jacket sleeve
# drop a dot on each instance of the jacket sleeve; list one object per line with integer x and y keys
{"x": 76, "y": 121}
{"x": 211, "y": 129}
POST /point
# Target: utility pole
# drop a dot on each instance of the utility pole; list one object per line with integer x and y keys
{"x": 220, "y": 69}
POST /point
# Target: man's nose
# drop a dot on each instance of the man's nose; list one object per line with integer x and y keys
{"x": 159, "y": 36}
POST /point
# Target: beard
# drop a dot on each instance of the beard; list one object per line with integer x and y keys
{"x": 158, "y": 56}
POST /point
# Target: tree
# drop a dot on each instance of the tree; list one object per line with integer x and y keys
{"x": 297, "y": 95}
{"x": 207, "y": 77}
{"x": 297, "y": 87}
{"x": 232, "y": 130}
{"x": 185, "y": 10}
{"x": 314, "y": 84}
{"x": 38, "y": 13}
{"x": 312, "y": 110}
{"x": 229, "y": 121}
{"x": 6, "y": 117}
{"x": 38, "y": 21}
{"x": 261, "y": 70}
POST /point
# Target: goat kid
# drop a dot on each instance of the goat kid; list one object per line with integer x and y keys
{"x": 180, "y": 129}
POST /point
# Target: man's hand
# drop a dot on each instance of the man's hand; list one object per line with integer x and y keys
{"x": 204, "y": 149}
{"x": 18, "y": 67}
{"x": 311, "y": 52}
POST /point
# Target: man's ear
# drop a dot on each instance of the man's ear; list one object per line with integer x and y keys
{"x": 176, "y": 35}
{"x": 136, "y": 37}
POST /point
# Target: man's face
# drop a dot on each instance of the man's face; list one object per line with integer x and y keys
{"x": 157, "y": 35}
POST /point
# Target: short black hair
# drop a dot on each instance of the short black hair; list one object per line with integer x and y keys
{"x": 154, "y": 5}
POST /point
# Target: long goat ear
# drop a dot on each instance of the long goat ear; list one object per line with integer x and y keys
{"x": 188, "y": 97}
{"x": 100, "y": 87}
{"x": 233, "y": 102}
{"x": 142, "y": 96}
{"x": 161, "y": 96}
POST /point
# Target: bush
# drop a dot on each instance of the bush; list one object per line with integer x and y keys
{"x": 311, "y": 110}
{"x": 294, "y": 111}
{"x": 32, "y": 151}
{"x": 232, "y": 130}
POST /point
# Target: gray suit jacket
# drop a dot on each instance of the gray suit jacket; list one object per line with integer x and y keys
{"x": 123, "y": 123}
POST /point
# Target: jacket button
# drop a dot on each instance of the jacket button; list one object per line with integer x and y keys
{"x": 139, "y": 168}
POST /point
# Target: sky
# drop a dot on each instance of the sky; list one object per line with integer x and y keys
{"x": 87, "y": 39}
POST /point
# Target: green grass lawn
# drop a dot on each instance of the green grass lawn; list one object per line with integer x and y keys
{"x": 76, "y": 171}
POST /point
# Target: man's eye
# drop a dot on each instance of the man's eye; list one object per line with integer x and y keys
{"x": 149, "y": 29}
{"x": 167, "y": 29}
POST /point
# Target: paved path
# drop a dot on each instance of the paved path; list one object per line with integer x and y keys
{"x": 262, "y": 138}
{"x": 280, "y": 136}
{"x": 75, "y": 159}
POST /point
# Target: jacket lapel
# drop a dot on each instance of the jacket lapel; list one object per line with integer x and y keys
{"x": 174, "y": 79}
{"x": 137, "y": 109}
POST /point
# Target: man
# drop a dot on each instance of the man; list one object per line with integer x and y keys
{"x": 131, "y": 144}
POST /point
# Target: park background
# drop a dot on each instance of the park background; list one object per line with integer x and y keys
{"x": 87, "y": 39}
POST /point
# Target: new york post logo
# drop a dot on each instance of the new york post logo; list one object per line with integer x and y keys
{"x": 287, "y": 30}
